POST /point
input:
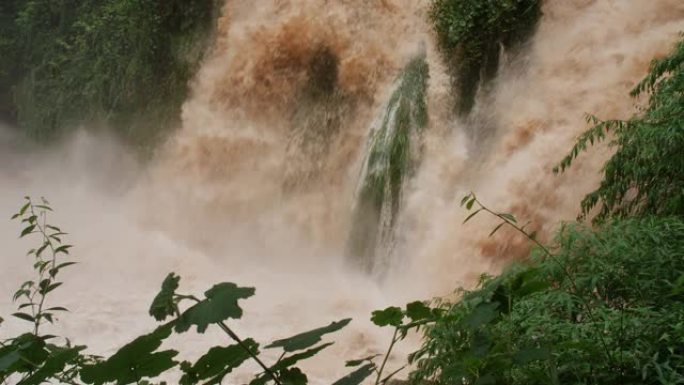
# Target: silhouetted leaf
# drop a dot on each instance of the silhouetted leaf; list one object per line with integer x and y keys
{"x": 53, "y": 365}
{"x": 390, "y": 316}
{"x": 308, "y": 339}
{"x": 417, "y": 311}
{"x": 217, "y": 363}
{"x": 134, "y": 361}
{"x": 356, "y": 377}
{"x": 163, "y": 305}
{"x": 221, "y": 303}
{"x": 293, "y": 376}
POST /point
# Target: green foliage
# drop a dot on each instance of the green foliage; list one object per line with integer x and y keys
{"x": 471, "y": 34}
{"x": 29, "y": 359}
{"x": 392, "y": 158}
{"x": 221, "y": 303}
{"x": 121, "y": 62}
{"x": 644, "y": 176}
{"x": 163, "y": 304}
{"x": 605, "y": 308}
{"x": 134, "y": 361}
{"x": 217, "y": 363}
{"x": 308, "y": 339}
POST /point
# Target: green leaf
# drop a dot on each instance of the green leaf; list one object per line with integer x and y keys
{"x": 24, "y": 316}
{"x": 307, "y": 339}
{"x": 54, "y": 364}
{"x": 27, "y": 231}
{"x": 356, "y": 377}
{"x": 220, "y": 304}
{"x": 25, "y": 207}
{"x": 63, "y": 249}
{"x": 57, "y": 308}
{"x": 22, "y": 353}
{"x": 217, "y": 363}
{"x": 134, "y": 361}
{"x": 509, "y": 217}
{"x": 470, "y": 203}
{"x": 163, "y": 305}
{"x": 288, "y": 361}
{"x": 417, "y": 311}
{"x": 390, "y": 316}
{"x": 293, "y": 376}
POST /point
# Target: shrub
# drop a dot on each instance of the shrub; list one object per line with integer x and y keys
{"x": 605, "y": 309}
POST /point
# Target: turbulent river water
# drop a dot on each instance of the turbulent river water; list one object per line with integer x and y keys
{"x": 260, "y": 185}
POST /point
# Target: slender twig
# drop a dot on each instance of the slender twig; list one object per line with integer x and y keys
{"x": 389, "y": 376}
{"x": 249, "y": 351}
{"x": 555, "y": 260}
{"x": 384, "y": 361}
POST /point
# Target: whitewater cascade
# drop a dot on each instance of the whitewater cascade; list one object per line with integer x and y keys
{"x": 299, "y": 105}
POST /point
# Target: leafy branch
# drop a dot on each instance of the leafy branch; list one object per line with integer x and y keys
{"x": 470, "y": 200}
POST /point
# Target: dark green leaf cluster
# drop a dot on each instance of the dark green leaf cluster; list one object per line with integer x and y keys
{"x": 119, "y": 62}
{"x": 644, "y": 176}
{"x": 471, "y": 34}
{"x": 605, "y": 309}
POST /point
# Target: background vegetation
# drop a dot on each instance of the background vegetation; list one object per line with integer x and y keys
{"x": 471, "y": 35}
{"x": 601, "y": 304}
{"x": 121, "y": 63}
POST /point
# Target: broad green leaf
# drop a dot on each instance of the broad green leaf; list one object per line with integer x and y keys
{"x": 134, "y": 361}
{"x": 293, "y": 376}
{"x": 417, "y": 311}
{"x": 307, "y": 339}
{"x": 54, "y": 364}
{"x": 356, "y": 377}
{"x": 217, "y": 363}
{"x": 390, "y": 316}
{"x": 163, "y": 305}
{"x": 220, "y": 304}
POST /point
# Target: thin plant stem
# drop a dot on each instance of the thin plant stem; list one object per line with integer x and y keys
{"x": 384, "y": 361}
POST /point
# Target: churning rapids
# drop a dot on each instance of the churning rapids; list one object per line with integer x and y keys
{"x": 285, "y": 123}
